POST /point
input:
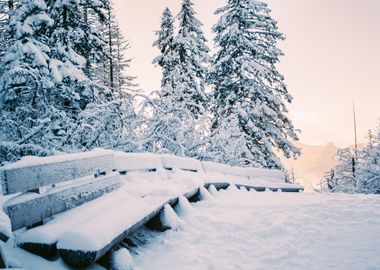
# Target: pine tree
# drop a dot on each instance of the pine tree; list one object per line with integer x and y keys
{"x": 27, "y": 117}
{"x": 248, "y": 87}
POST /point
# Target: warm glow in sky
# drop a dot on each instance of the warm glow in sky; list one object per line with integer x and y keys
{"x": 332, "y": 57}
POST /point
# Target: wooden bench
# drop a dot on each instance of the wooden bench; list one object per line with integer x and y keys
{"x": 49, "y": 186}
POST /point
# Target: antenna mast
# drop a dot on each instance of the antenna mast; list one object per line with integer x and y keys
{"x": 355, "y": 130}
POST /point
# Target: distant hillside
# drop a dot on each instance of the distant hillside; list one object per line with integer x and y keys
{"x": 313, "y": 163}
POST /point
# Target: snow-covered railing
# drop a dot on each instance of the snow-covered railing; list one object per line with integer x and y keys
{"x": 51, "y": 185}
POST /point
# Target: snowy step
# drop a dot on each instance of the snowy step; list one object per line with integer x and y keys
{"x": 30, "y": 208}
{"x": 34, "y": 173}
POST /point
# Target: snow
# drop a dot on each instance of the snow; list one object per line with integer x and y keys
{"x": 204, "y": 194}
{"x": 247, "y": 230}
{"x": 137, "y": 161}
{"x": 190, "y": 164}
{"x": 122, "y": 260}
{"x": 111, "y": 223}
{"x": 29, "y": 161}
{"x": 52, "y": 231}
{"x": 169, "y": 219}
{"x": 5, "y": 224}
{"x": 183, "y": 207}
{"x": 266, "y": 174}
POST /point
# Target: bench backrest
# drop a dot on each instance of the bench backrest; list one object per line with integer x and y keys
{"x": 69, "y": 180}
{"x": 35, "y": 173}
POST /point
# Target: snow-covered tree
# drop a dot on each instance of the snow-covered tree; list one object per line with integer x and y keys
{"x": 5, "y": 40}
{"x": 27, "y": 117}
{"x": 163, "y": 124}
{"x": 74, "y": 42}
{"x": 168, "y": 128}
{"x": 342, "y": 178}
{"x": 170, "y": 125}
{"x": 369, "y": 171}
{"x": 192, "y": 60}
{"x": 109, "y": 125}
{"x": 112, "y": 70}
{"x": 166, "y": 60}
{"x": 248, "y": 87}
{"x": 358, "y": 170}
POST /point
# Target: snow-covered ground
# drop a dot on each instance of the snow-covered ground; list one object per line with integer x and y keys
{"x": 251, "y": 230}
{"x": 232, "y": 229}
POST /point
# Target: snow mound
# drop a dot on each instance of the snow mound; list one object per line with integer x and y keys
{"x": 213, "y": 191}
{"x": 243, "y": 188}
{"x": 175, "y": 162}
{"x": 137, "y": 161}
{"x": 204, "y": 194}
{"x": 122, "y": 260}
{"x": 232, "y": 187}
{"x": 183, "y": 206}
{"x": 169, "y": 219}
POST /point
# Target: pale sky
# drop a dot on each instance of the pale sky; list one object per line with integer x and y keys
{"x": 332, "y": 57}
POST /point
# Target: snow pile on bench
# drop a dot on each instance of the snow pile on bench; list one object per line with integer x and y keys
{"x": 172, "y": 162}
{"x": 137, "y": 162}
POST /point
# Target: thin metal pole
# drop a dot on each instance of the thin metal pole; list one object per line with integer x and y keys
{"x": 355, "y": 130}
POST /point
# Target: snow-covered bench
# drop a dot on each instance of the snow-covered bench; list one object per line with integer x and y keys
{"x": 44, "y": 187}
{"x": 81, "y": 236}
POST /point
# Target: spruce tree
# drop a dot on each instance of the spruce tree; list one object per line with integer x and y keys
{"x": 192, "y": 52}
{"x": 162, "y": 126}
{"x": 169, "y": 125}
{"x": 247, "y": 86}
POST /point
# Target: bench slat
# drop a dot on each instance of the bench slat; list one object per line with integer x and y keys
{"x": 26, "y": 178}
{"x": 28, "y": 209}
